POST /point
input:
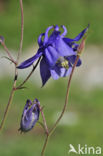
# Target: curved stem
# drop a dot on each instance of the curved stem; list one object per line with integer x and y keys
{"x": 16, "y": 72}
{"x": 9, "y": 101}
{"x": 9, "y": 54}
{"x": 63, "y": 110}
{"x": 45, "y": 144}
{"x": 44, "y": 120}
{"x": 22, "y": 28}
{"x": 66, "y": 98}
{"x": 34, "y": 67}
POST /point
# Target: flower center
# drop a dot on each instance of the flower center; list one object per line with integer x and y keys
{"x": 62, "y": 62}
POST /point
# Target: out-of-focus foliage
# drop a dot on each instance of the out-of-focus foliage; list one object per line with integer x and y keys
{"x": 39, "y": 14}
{"x": 87, "y": 105}
{"x": 88, "y": 130}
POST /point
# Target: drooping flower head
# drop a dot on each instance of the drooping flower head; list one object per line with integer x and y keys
{"x": 30, "y": 115}
{"x": 58, "y": 53}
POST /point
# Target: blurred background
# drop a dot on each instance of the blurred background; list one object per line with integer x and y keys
{"x": 82, "y": 122}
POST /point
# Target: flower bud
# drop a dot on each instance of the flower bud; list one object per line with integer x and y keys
{"x": 30, "y": 115}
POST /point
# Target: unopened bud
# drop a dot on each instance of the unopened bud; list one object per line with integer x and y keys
{"x": 30, "y": 115}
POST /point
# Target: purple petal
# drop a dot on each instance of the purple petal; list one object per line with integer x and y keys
{"x": 46, "y": 34}
{"x": 67, "y": 72}
{"x": 65, "y": 31}
{"x": 36, "y": 101}
{"x": 40, "y": 42}
{"x": 68, "y": 40}
{"x": 79, "y": 62}
{"x": 51, "y": 56}
{"x": 29, "y": 61}
{"x": 28, "y": 103}
{"x": 81, "y": 34}
{"x": 30, "y": 116}
{"x": 53, "y": 37}
{"x": 57, "y": 72}
{"x": 73, "y": 58}
{"x": 1, "y": 39}
{"x": 77, "y": 38}
{"x": 29, "y": 112}
{"x": 44, "y": 72}
{"x": 62, "y": 48}
{"x": 56, "y": 28}
{"x": 54, "y": 74}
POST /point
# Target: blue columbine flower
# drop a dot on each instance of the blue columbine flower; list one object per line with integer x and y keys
{"x": 58, "y": 53}
{"x": 30, "y": 115}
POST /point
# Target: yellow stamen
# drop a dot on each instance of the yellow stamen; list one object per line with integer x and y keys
{"x": 63, "y": 62}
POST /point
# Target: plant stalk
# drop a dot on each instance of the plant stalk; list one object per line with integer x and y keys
{"x": 16, "y": 72}
{"x": 63, "y": 110}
